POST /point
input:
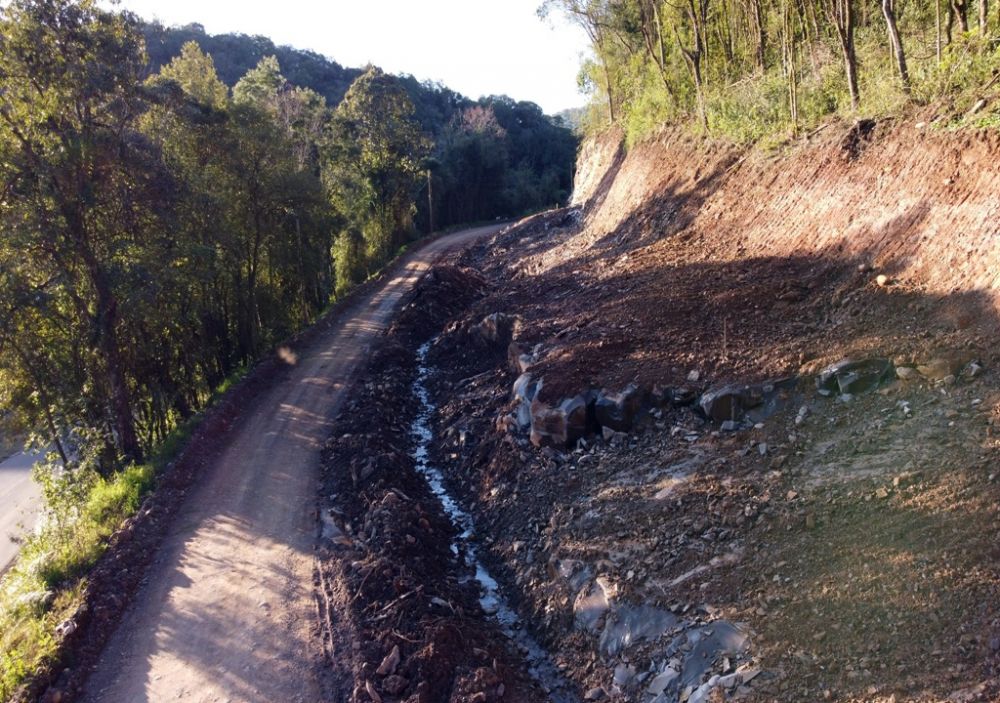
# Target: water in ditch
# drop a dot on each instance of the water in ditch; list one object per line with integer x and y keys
{"x": 491, "y": 598}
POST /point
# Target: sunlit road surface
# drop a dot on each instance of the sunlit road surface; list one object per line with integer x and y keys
{"x": 20, "y": 501}
{"x": 227, "y": 613}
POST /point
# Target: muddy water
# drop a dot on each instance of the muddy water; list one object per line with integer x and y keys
{"x": 491, "y": 596}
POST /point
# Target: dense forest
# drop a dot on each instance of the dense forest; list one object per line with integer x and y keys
{"x": 163, "y": 228}
{"x": 492, "y": 157}
{"x": 767, "y": 69}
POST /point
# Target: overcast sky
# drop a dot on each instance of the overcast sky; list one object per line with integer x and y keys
{"x": 477, "y": 47}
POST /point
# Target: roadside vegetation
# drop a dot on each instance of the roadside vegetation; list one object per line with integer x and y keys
{"x": 163, "y": 230}
{"x": 764, "y": 71}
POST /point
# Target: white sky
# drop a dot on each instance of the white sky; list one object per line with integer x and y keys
{"x": 477, "y": 47}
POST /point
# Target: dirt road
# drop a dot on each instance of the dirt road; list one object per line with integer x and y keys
{"x": 20, "y": 499}
{"x": 226, "y": 613}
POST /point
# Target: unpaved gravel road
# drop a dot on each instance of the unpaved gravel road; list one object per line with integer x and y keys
{"x": 227, "y": 611}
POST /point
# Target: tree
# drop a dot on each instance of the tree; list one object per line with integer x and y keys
{"x": 372, "y": 162}
{"x": 696, "y": 12}
{"x": 591, "y": 15}
{"x": 71, "y": 169}
{"x": 194, "y": 71}
{"x": 840, "y": 14}
{"x": 261, "y": 85}
{"x": 889, "y": 12}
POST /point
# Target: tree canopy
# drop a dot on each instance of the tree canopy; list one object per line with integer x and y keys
{"x": 766, "y": 69}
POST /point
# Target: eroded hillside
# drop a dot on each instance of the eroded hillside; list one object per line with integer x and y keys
{"x": 682, "y": 490}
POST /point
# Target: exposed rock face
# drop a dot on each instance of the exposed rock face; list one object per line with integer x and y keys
{"x": 618, "y": 411}
{"x": 853, "y": 377}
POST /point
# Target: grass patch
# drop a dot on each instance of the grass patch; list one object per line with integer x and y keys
{"x": 45, "y": 585}
{"x": 83, "y": 509}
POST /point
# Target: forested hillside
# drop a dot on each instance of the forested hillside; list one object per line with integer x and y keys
{"x": 491, "y": 157}
{"x": 164, "y": 229}
{"x": 165, "y": 224}
{"x": 768, "y": 69}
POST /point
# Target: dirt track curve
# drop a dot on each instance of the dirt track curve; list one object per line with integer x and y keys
{"x": 226, "y": 612}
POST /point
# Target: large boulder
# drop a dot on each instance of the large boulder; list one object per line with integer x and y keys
{"x": 735, "y": 405}
{"x": 730, "y": 403}
{"x": 854, "y": 376}
{"x": 526, "y": 389}
{"x": 561, "y": 426}
{"x": 618, "y": 411}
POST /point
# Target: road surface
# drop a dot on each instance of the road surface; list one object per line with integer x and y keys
{"x": 20, "y": 501}
{"x": 227, "y": 612}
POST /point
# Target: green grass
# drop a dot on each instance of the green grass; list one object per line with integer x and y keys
{"x": 45, "y": 585}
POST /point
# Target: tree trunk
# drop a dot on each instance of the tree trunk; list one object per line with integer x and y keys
{"x": 897, "y": 43}
{"x": 105, "y": 323}
{"x": 760, "y": 29}
{"x": 961, "y": 11}
{"x": 841, "y": 16}
{"x": 607, "y": 83}
{"x": 937, "y": 29}
{"x": 984, "y": 14}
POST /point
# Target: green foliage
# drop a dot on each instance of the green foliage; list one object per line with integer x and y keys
{"x": 349, "y": 258}
{"x": 548, "y": 145}
{"x": 194, "y": 71}
{"x": 761, "y": 72}
{"x": 261, "y": 85}
{"x": 371, "y": 163}
{"x": 43, "y": 587}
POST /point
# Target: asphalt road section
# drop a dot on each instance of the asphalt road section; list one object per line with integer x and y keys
{"x": 20, "y": 503}
{"x": 226, "y": 612}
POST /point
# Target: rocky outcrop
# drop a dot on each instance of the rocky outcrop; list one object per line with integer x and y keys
{"x": 852, "y": 376}
{"x": 733, "y": 404}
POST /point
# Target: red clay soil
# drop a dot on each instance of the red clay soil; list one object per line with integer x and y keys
{"x": 857, "y": 537}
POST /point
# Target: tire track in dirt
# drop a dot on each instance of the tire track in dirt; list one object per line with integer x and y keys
{"x": 226, "y": 611}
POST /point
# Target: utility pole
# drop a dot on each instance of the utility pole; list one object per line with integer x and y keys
{"x": 430, "y": 203}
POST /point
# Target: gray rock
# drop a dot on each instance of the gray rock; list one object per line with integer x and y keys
{"x": 851, "y": 376}
{"x": 661, "y": 681}
{"x": 560, "y": 426}
{"x": 624, "y": 674}
{"x": 730, "y": 403}
{"x": 618, "y": 411}
{"x": 595, "y": 694}
{"x": 526, "y": 389}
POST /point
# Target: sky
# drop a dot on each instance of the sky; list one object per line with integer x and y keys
{"x": 477, "y": 47}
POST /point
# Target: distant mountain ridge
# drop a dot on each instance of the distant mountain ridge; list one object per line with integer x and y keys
{"x": 235, "y": 54}
{"x": 494, "y": 156}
